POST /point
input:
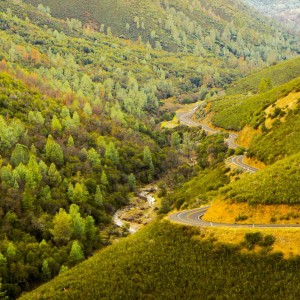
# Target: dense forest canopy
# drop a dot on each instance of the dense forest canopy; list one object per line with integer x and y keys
{"x": 82, "y": 99}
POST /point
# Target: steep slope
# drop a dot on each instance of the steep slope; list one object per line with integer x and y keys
{"x": 269, "y": 196}
{"x": 279, "y": 74}
{"x": 236, "y": 111}
{"x": 166, "y": 261}
{"x": 228, "y": 30}
{"x": 279, "y": 135}
{"x": 78, "y": 114}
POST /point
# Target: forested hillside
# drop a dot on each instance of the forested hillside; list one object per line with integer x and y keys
{"x": 286, "y": 11}
{"x": 171, "y": 261}
{"x": 82, "y": 100}
{"x": 228, "y": 30}
{"x": 79, "y": 113}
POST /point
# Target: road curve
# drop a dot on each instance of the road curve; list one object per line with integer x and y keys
{"x": 239, "y": 162}
{"x": 193, "y": 217}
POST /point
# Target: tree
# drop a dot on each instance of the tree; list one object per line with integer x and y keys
{"x": 175, "y": 140}
{"x": 33, "y": 174}
{"x": 78, "y": 223}
{"x": 70, "y": 141}
{"x": 112, "y": 153}
{"x": 63, "y": 269}
{"x": 103, "y": 178}
{"x": 265, "y": 85}
{"x": 90, "y": 228}
{"x": 147, "y": 156}
{"x": 53, "y": 175}
{"x": 54, "y": 152}
{"x": 88, "y": 109}
{"x": 46, "y": 270}
{"x": 76, "y": 254}
{"x": 98, "y": 198}
{"x": 93, "y": 157}
{"x": 80, "y": 193}
{"x": 2, "y": 293}
{"x": 3, "y": 261}
{"x": 132, "y": 182}
{"x": 55, "y": 124}
{"x": 20, "y": 155}
{"x": 62, "y": 227}
{"x": 11, "y": 250}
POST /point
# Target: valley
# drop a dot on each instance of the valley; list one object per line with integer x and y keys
{"x": 123, "y": 123}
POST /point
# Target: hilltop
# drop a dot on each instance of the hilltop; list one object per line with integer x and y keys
{"x": 171, "y": 262}
{"x": 206, "y": 28}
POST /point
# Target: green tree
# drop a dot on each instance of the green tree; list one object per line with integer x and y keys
{"x": 88, "y": 109}
{"x": 112, "y": 153}
{"x": 175, "y": 140}
{"x": 132, "y": 182}
{"x": 63, "y": 269}
{"x": 265, "y": 85}
{"x": 53, "y": 175}
{"x": 55, "y": 124}
{"x": 93, "y": 157}
{"x": 103, "y": 178}
{"x": 46, "y": 270}
{"x": 147, "y": 157}
{"x": 78, "y": 223}
{"x": 11, "y": 250}
{"x": 20, "y": 155}
{"x": 54, "y": 152}
{"x": 76, "y": 254}
{"x": 2, "y": 293}
{"x": 80, "y": 193}
{"x": 62, "y": 227}
{"x": 98, "y": 198}
{"x": 70, "y": 141}
{"x": 3, "y": 261}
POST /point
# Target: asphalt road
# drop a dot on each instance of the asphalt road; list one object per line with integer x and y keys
{"x": 239, "y": 162}
{"x": 187, "y": 119}
{"x": 193, "y": 217}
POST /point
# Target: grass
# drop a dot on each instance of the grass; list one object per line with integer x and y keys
{"x": 282, "y": 136}
{"x": 234, "y": 112}
{"x": 226, "y": 212}
{"x": 276, "y": 184}
{"x": 168, "y": 261}
{"x": 287, "y": 239}
{"x": 279, "y": 74}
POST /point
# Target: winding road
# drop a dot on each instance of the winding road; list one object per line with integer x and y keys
{"x": 194, "y": 216}
{"x": 238, "y": 161}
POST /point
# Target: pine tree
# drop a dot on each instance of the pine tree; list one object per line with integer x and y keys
{"x": 78, "y": 223}
{"x": 175, "y": 140}
{"x": 53, "y": 175}
{"x": 103, "y": 178}
{"x": 56, "y": 125}
{"x": 132, "y": 182}
{"x": 54, "y": 152}
{"x": 46, "y": 270}
{"x": 76, "y": 254}
{"x": 20, "y": 155}
{"x": 62, "y": 227}
{"x": 98, "y": 198}
{"x": 112, "y": 153}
